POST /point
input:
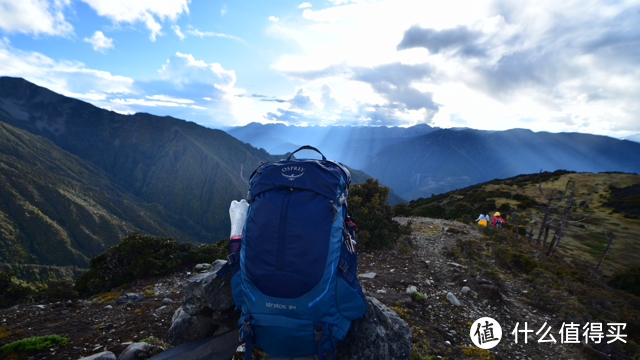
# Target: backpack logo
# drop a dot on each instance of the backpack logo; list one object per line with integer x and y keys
{"x": 292, "y": 172}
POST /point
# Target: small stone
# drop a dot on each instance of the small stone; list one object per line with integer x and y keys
{"x": 453, "y": 300}
{"x": 381, "y": 292}
{"x": 465, "y": 290}
{"x": 456, "y": 265}
{"x": 130, "y": 297}
{"x": 38, "y": 307}
{"x": 447, "y": 342}
{"x": 430, "y": 282}
{"x": 203, "y": 267}
{"x": 453, "y": 332}
{"x": 108, "y": 307}
{"x": 369, "y": 275}
{"x": 167, "y": 301}
{"x": 105, "y": 355}
{"x": 411, "y": 289}
{"x": 136, "y": 351}
{"x": 64, "y": 312}
{"x": 161, "y": 308}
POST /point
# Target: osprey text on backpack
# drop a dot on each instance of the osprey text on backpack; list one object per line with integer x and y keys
{"x": 294, "y": 267}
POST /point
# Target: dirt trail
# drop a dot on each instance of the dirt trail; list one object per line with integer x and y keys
{"x": 435, "y": 321}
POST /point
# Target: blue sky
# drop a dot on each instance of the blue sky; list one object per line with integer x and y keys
{"x": 494, "y": 65}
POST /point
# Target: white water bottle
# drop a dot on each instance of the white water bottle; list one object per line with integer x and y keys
{"x": 238, "y": 214}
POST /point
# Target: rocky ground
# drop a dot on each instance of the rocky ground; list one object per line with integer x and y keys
{"x": 440, "y": 328}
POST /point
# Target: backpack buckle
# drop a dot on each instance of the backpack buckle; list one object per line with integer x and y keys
{"x": 343, "y": 265}
{"x": 317, "y": 335}
{"x": 232, "y": 258}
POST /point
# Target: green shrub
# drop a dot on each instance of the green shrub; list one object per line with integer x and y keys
{"x": 141, "y": 255}
{"x": 627, "y": 280}
{"x": 401, "y": 209}
{"x": 434, "y": 211}
{"x": 34, "y": 343}
{"x": 61, "y": 290}
{"x": 12, "y": 291}
{"x": 372, "y": 214}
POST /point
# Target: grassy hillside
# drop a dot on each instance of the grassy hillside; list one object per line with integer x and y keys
{"x": 58, "y": 209}
{"x": 519, "y": 199}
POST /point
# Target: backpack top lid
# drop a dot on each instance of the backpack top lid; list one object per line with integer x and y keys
{"x": 322, "y": 176}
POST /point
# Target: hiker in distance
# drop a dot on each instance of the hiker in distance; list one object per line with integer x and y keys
{"x": 497, "y": 222}
{"x": 483, "y": 219}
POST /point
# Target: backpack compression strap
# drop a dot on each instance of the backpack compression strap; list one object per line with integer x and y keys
{"x": 246, "y": 334}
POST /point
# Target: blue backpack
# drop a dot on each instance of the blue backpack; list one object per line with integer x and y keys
{"x": 294, "y": 270}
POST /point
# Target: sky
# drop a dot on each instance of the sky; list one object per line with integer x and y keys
{"x": 557, "y": 66}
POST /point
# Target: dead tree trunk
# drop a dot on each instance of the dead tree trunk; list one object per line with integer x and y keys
{"x": 560, "y": 231}
{"x": 604, "y": 253}
{"x": 547, "y": 209}
{"x": 546, "y": 236}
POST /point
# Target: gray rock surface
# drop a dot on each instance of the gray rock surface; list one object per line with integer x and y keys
{"x": 167, "y": 301}
{"x": 105, "y": 355}
{"x": 136, "y": 351}
{"x": 206, "y": 290}
{"x": 378, "y": 335}
{"x": 186, "y": 328}
{"x": 453, "y": 300}
{"x": 129, "y": 297}
{"x": 220, "y": 347}
{"x": 369, "y": 275}
{"x": 203, "y": 267}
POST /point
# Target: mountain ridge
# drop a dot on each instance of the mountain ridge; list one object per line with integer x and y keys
{"x": 448, "y": 159}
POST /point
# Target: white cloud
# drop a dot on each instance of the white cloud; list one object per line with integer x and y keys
{"x": 570, "y": 66}
{"x": 199, "y": 33}
{"x": 223, "y": 10}
{"x": 169, "y": 98}
{"x": 178, "y": 32}
{"x": 65, "y": 77}
{"x": 304, "y": 5}
{"x": 35, "y": 17}
{"x": 99, "y": 42}
{"x": 144, "y": 102}
{"x": 145, "y": 11}
{"x": 273, "y": 18}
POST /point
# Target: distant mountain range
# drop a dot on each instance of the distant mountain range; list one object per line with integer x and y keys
{"x": 447, "y": 159}
{"x": 634, "y": 137}
{"x": 350, "y": 145}
{"x": 420, "y": 161}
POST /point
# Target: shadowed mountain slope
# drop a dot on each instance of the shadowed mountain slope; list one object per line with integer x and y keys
{"x": 446, "y": 159}
{"x": 184, "y": 169}
{"x": 58, "y": 209}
